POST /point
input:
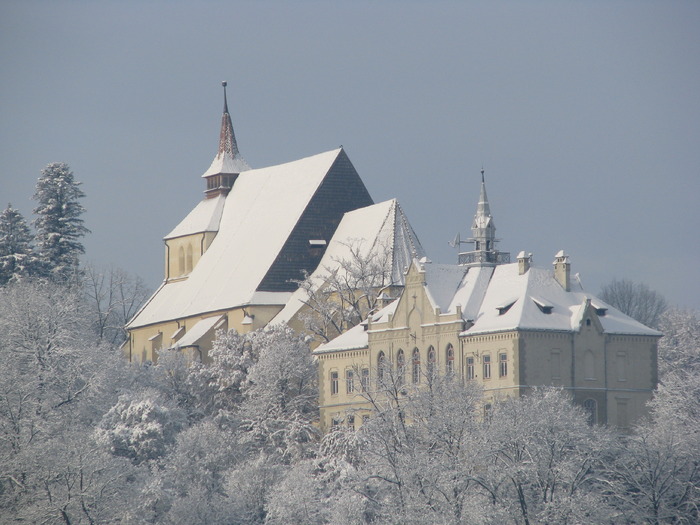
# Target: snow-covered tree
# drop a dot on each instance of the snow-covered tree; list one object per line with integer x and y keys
{"x": 113, "y": 297}
{"x": 636, "y": 300}
{"x": 55, "y": 385}
{"x": 342, "y": 294}
{"x": 16, "y": 255}
{"x": 140, "y": 427}
{"x": 679, "y": 348}
{"x": 281, "y": 394}
{"x": 543, "y": 462}
{"x": 59, "y": 226}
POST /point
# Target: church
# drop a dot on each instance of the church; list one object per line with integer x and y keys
{"x": 508, "y": 326}
{"x": 237, "y": 259}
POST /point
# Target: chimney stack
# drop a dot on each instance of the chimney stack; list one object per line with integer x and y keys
{"x": 562, "y": 270}
{"x": 524, "y": 262}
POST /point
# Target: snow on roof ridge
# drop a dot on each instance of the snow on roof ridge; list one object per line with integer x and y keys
{"x": 223, "y": 278}
{"x": 205, "y": 217}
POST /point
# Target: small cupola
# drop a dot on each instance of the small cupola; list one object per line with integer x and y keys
{"x": 228, "y": 162}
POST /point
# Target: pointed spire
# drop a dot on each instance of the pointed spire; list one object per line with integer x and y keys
{"x": 483, "y": 235}
{"x": 228, "y": 159}
{"x": 483, "y": 210}
{"x": 227, "y": 139}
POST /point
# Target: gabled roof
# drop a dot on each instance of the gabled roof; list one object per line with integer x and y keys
{"x": 367, "y": 231}
{"x": 205, "y": 217}
{"x": 258, "y": 217}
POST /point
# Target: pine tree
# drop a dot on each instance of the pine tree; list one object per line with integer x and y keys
{"x": 59, "y": 227}
{"x": 16, "y": 255}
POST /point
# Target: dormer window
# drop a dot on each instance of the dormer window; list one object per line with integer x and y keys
{"x": 503, "y": 309}
{"x": 544, "y": 308}
{"x": 601, "y": 312}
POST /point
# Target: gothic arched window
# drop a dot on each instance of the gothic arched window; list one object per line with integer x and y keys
{"x": 431, "y": 362}
{"x": 181, "y": 261}
{"x": 416, "y": 366}
{"x": 381, "y": 365}
{"x": 400, "y": 367}
{"x": 450, "y": 359}
{"x": 188, "y": 259}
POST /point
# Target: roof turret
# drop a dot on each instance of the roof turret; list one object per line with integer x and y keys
{"x": 228, "y": 160}
{"x": 483, "y": 236}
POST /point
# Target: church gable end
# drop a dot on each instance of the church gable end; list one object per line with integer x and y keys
{"x": 341, "y": 191}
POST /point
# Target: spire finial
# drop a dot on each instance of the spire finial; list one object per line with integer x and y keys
{"x": 482, "y": 173}
{"x": 224, "y": 83}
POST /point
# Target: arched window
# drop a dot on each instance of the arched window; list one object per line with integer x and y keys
{"x": 416, "y": 366}
{"x": 381, "y": 365}
{"x": 431, "y": 362}
{"x": 181, "y": 261}
{"x": 188, "y": 259}
{"x": 450, "y": 359}
{"x": 400, "y": 367}
{"x": 591, "y": 408}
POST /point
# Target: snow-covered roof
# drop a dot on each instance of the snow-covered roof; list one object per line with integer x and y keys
{"x": 204, "y": 217}
{"x": 199, "y": 330}
{"x": 471, "y": 291}
{"x": 356, "y": 338}
{"x": 226, "y": 163}
{"x": 442, "y": 281}
{"x": 369, "y": 231}
{"x": 536, "y": 301}
{"x": 257, "y": 218}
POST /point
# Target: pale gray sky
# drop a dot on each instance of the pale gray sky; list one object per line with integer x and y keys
{"x": 585, "y": 115}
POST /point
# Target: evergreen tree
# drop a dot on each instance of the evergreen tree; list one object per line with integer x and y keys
{"x": 16, "y": 254}
{"x": 59, "y": 227}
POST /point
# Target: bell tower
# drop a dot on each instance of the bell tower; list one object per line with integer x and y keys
{"x": 483, "y": 236}
{"x": 228, "y": 162}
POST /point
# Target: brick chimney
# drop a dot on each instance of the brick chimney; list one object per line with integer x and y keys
{"x": 562, "y": 270}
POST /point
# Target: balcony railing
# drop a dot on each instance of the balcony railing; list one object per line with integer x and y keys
{"x": 483, "y": 257}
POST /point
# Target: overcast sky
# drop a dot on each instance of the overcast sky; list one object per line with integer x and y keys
{"x": 585, "y": 116}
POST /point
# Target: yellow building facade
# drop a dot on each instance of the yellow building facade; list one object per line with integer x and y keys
{"x": 510, "y": 327}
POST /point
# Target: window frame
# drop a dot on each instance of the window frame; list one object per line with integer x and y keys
{"x": 335, "y": 382}
{"x": 486, "y": 362}
{"x": 349, "y": 381}
{"x": 450, "y": 359}
{"x": 401, "y": 367}
{"x": 415, "y": 366}
{"x": 502, "y": 364}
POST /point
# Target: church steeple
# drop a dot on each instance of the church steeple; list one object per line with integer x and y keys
{"x": 228, "y": 162}
{"x": 483, "y": 236}
{"x": 483, "y": 227}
